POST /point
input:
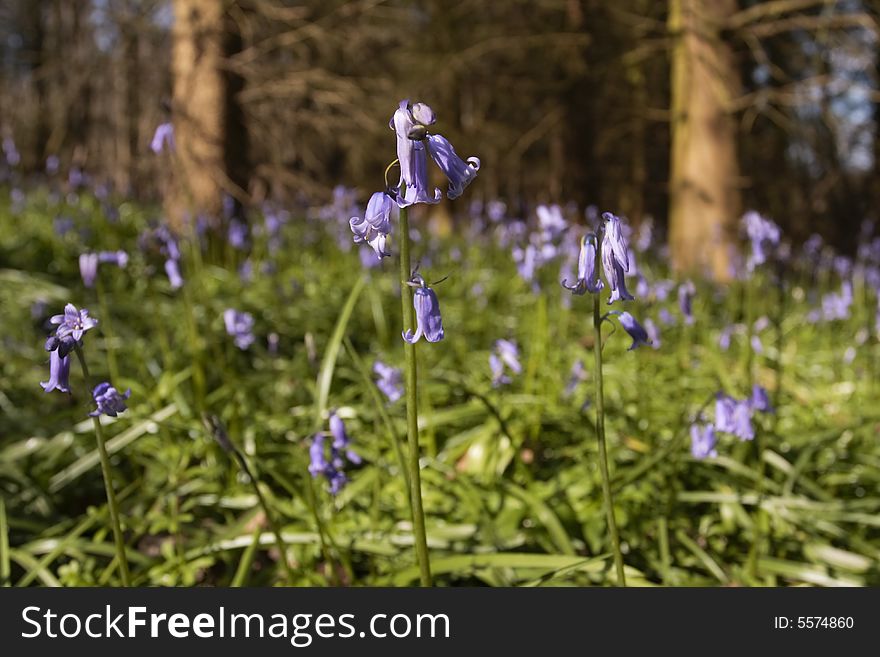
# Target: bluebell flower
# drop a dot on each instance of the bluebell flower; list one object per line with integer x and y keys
{"x": 88, "y": 268}
{"x": 587, "y": 277}
{"x": 73, "y": 323}
{"x": 333, "y": 468}
{"x": 505, "y": 355}
{"x": 686, "y": 293}
{"x": 733, "y": 416}
{"x": 427, "y": 307}
{"x": 375, "y": 225}
{"x": 238, "y": 234}
{"x": 389, "y": 381}
{"x": 635, "y": 330}
{"x": 163, "y": 138}
{"x": 52, "y": 165}
{"x": 13, "y": 157}
{"x": 108, "y": 400}
{"x": 59, "y": 373}
{"x": 118, "y": 258}
{"x": 341, "y": 440}
{"x": 615, "y": 260}
{"x": 703, "y": 441}
{"x": 172, "y": 271}
{"x": 666, "y": 317}
{"x": 412, "y": 155}
{"x": 577, "y": 374}
{"x": 653, "y": 333}
{"x": 457, "y": 171}
{"x": 763, "y": 234}
{"x": 760, "y": 400}
{"x": 240, "y": 326}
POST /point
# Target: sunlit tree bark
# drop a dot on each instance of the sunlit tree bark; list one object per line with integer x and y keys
{"x": 704, "y": 172}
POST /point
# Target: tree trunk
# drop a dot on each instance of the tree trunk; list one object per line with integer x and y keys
{"x": 198, "y": 110}
{"x": 704, "y": 171}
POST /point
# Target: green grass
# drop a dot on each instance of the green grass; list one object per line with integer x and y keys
{"x": 511, "y": 484}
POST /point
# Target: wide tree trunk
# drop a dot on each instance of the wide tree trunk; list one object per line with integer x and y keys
{"x": 198, "y": 109}
{"x": 704, "y": 172}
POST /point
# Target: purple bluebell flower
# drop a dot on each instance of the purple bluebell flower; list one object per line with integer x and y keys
{"x": 389, "y": 381}
{"x": 238, "y": 234}
{"x": 59, "y": 373}
{"x": 375, "y": 225}
{"x": 666, "y": 317}
{"x": 686, "y": 293}
{"x": 734, "y": 416}
{"x": 724, "y": 407}
{"x": 457, "y": 171}
{"x": 412, "y": 155}
{"x": 653, "y": 333}
{"x": 726, "y": 334}
{"x": 88, "y": 268}
{"x": 52, "y": 165}
{"x": 577, "y": 374}
{"x": 62, "y": 225}
{"x": 505, "y": 355}
{"x": 73, "y": 323}
{"x": 760, "y": 400}
{"x": 240, "y": 326}
{"x": 118, "y": 258}
{"x": 333, "y": 468}
{"x": 763, "y": 234}
{"x": 756, "y": 344}
{"x": 645, "y": 235}
{"x": 428, "y": 320}
{"x": 109, "y": 400}
{"x": 587, "y": 277}
{"x": 615, "y": 260}
{"x": 341, "y": 440}
{"x": 172, "y": 271}
{"x": 635, "y": 330}
{"x": 163, "y": 139}
{"x": 703, "y": 441}
{"x": 13, "y": 157}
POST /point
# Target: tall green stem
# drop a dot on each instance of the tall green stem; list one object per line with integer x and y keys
{"x": 108, "y": 480}
{"x": 412, "y": 406}
{"x": 600, "y": 435}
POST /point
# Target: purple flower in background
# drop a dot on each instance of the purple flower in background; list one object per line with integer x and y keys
{"x": 734, "y": 416}
{"x": 686, "y": 293}
{"x": 756, "y": 344}
{"x": 172, "y": 270}
{"x": 459, "y": 172}
{"x": 577, "y": 374}
{"x": 52, "y": 165}
{"x": 389, "y": 381}
{"x": 724, "y": 407}
{"x": 13, "y": 157}
{"x": 238, "y": 234}
{"x": 88, "y": 268}
{"x": 333, "y": 468}
{"x": 163, "y": 139}
{"x": 428, "y": 320}
{"x": 59, "y": 373}
{"x": 240, "y": 326}
{"x": 73, "y": 323}
{"x": 703, "y": 441}
{"x": 635, "y": 330}
{"x": 62, "y": 225}
{"x": 763, "y": 234}
{"x": 108, "y": 400}
{"x": 587, "y": 277}
{"x": 615, "y": 260}
{"x": 645, "y": 235}
{"x": 653, "y": 333}
{"x": 118, "y": 258}
{"x": 505, "y": 354}
{"x": 375, "y": 225}
{"x": 760, "y": 400}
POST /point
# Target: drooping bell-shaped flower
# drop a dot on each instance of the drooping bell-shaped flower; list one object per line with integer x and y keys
{"x": 109, "y": 400}
{"x": 412, "y": 155}
{"x": 88, "y": 268}
{"x": 653, "y": 333}
{"x": 457, "y": 171}
{"x": 59, "y": 373}
{"x": 427, "y": 307}
{"x": 341, "y": 441}
{"x": 615, "y": 260}
{"x": 635, "y": 330}
{"x": 390, "y": 381}
{"x": 172, "y": 271}
{"x": 240, "y": 326}
{"x": 587, "y": 277}
{"x": 163, "y": 138}
{"x": 686, "y": 293}
{"x": 375, "y": 225}
{"x": 760, "y": 400}
{"x": 703, "y": 441}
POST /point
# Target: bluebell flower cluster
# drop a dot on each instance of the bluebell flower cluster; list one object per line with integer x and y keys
{"x": 389, "y": 380}
{"x": 503, "y": 358}
{"x": 732, "y": 416}
{"x": 109, "y": 400}
{"x": 239, "y": 325}
{"x": 341, "y": 455}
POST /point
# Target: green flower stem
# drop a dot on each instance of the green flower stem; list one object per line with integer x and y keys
{"x": 412, "y": 406}
{"x": 600, "y": 435}
{"x": 108, "y": 480}
{"x": 5, "y": 570}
